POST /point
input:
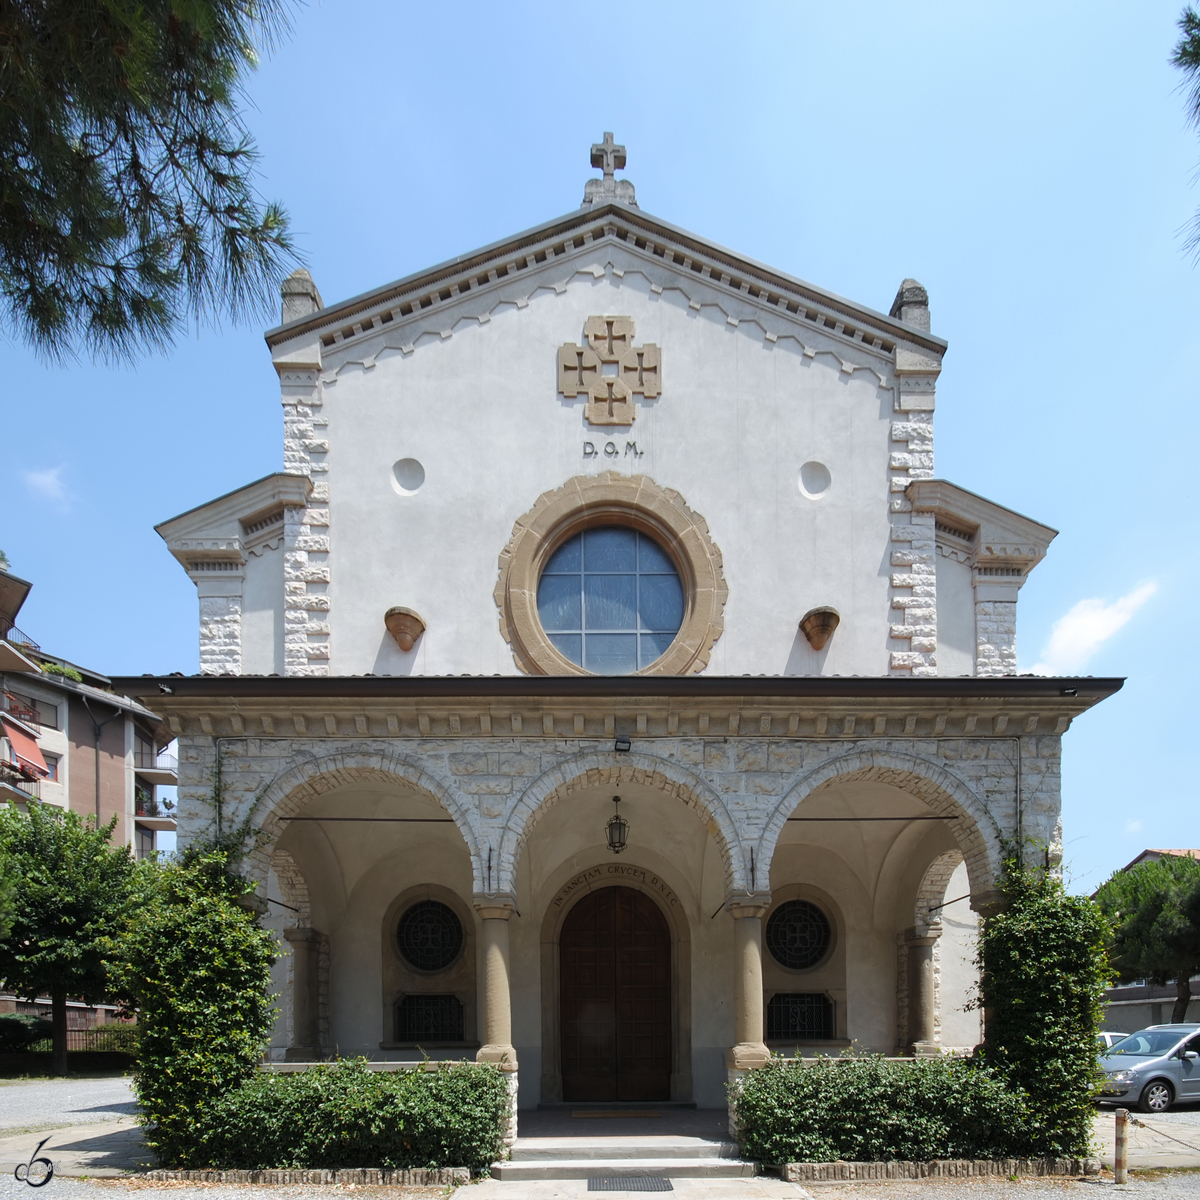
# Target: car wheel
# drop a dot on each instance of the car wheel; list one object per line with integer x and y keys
{"x": 1156, "y": 1097}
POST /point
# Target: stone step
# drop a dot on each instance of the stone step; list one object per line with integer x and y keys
{"x": 561, "y": 1149}
{"x": 663, "y": 1168}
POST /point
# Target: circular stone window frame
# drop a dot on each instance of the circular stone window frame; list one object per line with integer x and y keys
{"x": 830, "y": 947}
{"x": 398, "y": 922}
{"x": 590, "y": 502}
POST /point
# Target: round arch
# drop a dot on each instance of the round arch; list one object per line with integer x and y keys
{"x": 301, "y": 783}
{"x": 978, "y": 836}
{"x": 613, "y": 770}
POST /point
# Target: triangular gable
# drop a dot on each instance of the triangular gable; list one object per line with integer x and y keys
{"x": 509, "y": 272}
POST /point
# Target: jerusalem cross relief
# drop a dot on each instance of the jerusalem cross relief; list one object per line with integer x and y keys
{"x": 610, "y": 370}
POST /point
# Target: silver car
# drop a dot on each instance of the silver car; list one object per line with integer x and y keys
{"x": 1153, "y": 1067}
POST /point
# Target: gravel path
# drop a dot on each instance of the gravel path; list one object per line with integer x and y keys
{"x": 27, "y": 1105}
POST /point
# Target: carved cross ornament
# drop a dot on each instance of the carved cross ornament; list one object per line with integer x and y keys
{"x": 610, "y": 370}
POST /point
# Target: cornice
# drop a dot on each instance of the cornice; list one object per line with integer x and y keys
{"x": 980, "y": 532}
{"x": 220, "y": 534}
{"x": 540, "y": 706}
{"x": 447, "y": 282}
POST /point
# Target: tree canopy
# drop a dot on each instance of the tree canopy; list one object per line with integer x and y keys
{"x": 1155, "y": 913}
{"x": 72, "y": 892}
{"x": 1187, "y": 58}
{"x": 126, "y": 196}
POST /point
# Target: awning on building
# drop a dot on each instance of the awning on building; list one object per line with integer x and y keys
{"x": 25, "y": 747}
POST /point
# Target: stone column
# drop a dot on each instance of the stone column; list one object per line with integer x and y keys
{"x": 920, "y": 943}
{"x": 495, "y": 1000}
{"x": 749, "y": 1049}
{"x": 306, "y": 951}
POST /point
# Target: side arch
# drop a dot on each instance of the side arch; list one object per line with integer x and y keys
{"x": 978, "y": 836}
{"x": 590, "y": 770}
{"x": 301, "y": 783}
{"x": 933, "y": 889}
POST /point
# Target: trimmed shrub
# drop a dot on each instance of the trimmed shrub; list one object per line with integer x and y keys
{"x": 19, "y": 1031}
{"x": 344, "y": 1115}
{"x": 870, "y": 1109}
{"x": 197, "y": 966}
{"x": 1043, "y": 973}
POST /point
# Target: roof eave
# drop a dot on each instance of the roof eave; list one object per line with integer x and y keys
{"x": 339, "y": 312}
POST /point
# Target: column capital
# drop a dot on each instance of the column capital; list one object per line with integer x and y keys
{"x": 748, "y": 904}
{"x": 494, "y": 906}
{"x": 922, "y": 936}
{"x": 989, "y": 904}
{"x": 301, "y": 935}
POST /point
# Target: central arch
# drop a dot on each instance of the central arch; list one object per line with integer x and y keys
{"x": 614, "y": 770}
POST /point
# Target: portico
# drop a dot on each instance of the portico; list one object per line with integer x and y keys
{"x": 850, "y": 845}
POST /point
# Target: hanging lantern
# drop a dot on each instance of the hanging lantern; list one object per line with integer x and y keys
{"x": 617, "y": 828}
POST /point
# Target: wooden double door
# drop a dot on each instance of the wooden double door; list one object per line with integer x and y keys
{"x": 615, "y": 999}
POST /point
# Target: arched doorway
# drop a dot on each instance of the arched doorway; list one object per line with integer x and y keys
{"x": 615, "y": 998}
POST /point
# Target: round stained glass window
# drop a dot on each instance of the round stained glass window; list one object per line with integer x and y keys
{"x": 610, "y": 600}
{"x": 798, "y": 935}
{"x": 430, "y": 936}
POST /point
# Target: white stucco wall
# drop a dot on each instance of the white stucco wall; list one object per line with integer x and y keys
{"x": 480, "y": 412}
{"x": 959, "y": 977}
{"x": 262, "y": 613}
{"x": 956, "y": 617}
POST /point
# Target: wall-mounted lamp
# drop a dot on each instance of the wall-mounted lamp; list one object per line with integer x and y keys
{"x": 617, "y": 829}
{"x": 818, "y": 625}
{"x": 405, "y": 625}
{"x": 622, "y": 745}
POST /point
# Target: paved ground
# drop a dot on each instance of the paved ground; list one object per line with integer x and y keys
{"x": 95, "y": 1136}
{"x": 1155, "y": 1186}
{"x": 27, "y": 1105}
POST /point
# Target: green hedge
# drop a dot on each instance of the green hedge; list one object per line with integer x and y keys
{"x": 18, "y": 1031}
{"x": 344, "y": 1115}
{"x": 870, "y": 1110}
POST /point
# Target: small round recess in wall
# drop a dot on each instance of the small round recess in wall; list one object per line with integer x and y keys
{"x": 407, "y": 476}
{"x": 814, "y": 479}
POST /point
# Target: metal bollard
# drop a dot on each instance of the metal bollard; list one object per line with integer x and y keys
{"x": 1121, "y": 1156}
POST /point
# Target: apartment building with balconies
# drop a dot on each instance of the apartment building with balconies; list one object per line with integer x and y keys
{"x": 67, "y": 739}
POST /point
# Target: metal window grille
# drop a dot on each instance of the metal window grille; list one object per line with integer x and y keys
{"x": 798, "y": 935}
{"x": 430, "y": 936}
{"x": 799, "y": 1017}
{"x": 429, "y": 1019}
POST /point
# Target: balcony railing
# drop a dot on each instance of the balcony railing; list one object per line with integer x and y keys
{"x": 144, "y": 806}
{"x": 22, "y": 709}
{"x": 16, "y": 636}
{"x": 144, "y": 760}
{"x": 18, "y": 779}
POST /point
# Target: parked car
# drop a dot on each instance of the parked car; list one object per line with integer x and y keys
{"x": 1154, "y": 1067}
{"x": 1108, "y": 1040}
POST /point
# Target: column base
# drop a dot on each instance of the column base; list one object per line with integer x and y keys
{"x": 745, "y": 1056}
{"x": 299, "y": 1054}
{"x": 505, "y": 1057}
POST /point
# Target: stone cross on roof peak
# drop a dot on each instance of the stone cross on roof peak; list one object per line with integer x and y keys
{"x": 610, "y": 158}
{"x": 607, "y": 156}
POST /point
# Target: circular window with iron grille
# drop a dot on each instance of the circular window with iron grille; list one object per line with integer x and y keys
{"x": 430, "y": 936}
{"x": 798, "y": 935}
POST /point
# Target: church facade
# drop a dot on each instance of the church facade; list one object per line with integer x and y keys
{"x": 607, "y": 685}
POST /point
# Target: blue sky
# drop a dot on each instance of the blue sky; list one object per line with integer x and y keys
{"x": 1030, "y": 164}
